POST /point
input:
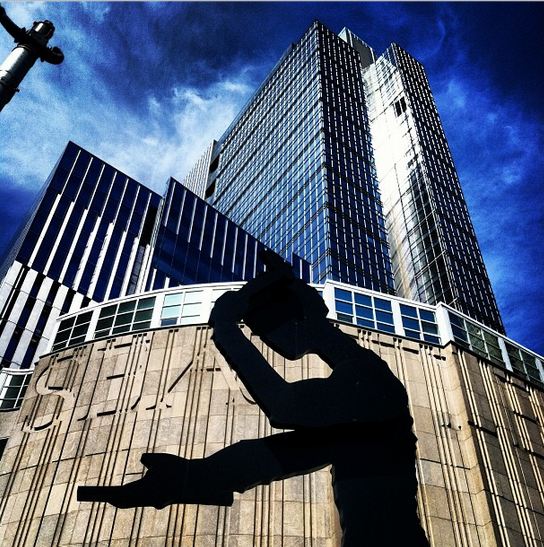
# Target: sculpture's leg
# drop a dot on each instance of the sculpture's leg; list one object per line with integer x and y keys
{"x": 379, "y": 510}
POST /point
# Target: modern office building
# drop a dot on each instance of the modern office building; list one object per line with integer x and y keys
{"x": 96, "y": 234}
{"x": 96, "y": 405}
{"x": 340, "y": 157}
{"x": 434, "y": 250}
{"x": 338, "y": 163}
{"x": 85, "y": 241}
{"x": 195, "y": 243}
{"x": 296, "y": 168}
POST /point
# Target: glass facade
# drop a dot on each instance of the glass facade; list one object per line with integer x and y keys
{"x": 96, "y": 235}
{"x": 296, "y": 167}
{"x": 90, "y": 225}
{"x": 84, "y": 242}
{"x": 434, "y": 250}
{"x": 409, "y": 322}
{"x": 197, "y": 244}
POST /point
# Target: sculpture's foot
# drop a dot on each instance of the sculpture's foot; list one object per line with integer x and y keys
{"x": 165, "y": 483}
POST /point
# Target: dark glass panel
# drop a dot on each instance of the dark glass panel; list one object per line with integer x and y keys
{"x": 83, "y": 318}
{"x": 410, "y": 323}
{"x": 385, "y": 327}
{"x": 108, "y": 311}
{"x": 103, "y": 324}
{"x": 384, "y": 317}
{"x": 408, "y": 310}
{"x": 62, "y": 336}
{"x": 365, "y": 323}
{"x": 456, "y": 320}
{"x": 143, "y": 315}
{"x": 343, "y": 307}
{"x": 381, "y": 304}
{"x": 427, "y": 315}
{"x": 342, "y": 294}
{"x": 141, "y": 326}
{"x": 121, "y": 329}
{"x": 145, "y": 303}
{"x": 459, "y": 333}
{"x": 80, "y": 331}
{"x": 344, "y": 317}
{"x": 66, "y": 323}
{"x": 429, "y": 327}
{"x": 126, "y": 306}
{"x": 363, "y": 299}
{"x": 361, "y": 311}
{"x": 168, "y": 322}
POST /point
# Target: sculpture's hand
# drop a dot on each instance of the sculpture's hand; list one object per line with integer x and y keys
{"x": 230, "y": 307}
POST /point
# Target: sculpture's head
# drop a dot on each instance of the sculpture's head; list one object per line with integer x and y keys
{"x": 289, "y": 317}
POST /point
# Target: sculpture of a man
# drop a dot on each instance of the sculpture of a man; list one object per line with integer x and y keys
{"x": 356, "y": 420}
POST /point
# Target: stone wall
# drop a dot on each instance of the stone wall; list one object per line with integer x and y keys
{"x": 91, "y": 412}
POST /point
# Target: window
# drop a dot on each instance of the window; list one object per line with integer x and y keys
{"x": 181, "y": 308}
{"x": 13, "y": 386}
{"x": 479, "y": 340}
{"x": 400, "y": 106}
{"x": 419, "y": 324}
{"x": 364, "y": 310}
{"x": 72, "y": 331}
{"x": 524, "y": 363}
{"x": 124, "y": 317}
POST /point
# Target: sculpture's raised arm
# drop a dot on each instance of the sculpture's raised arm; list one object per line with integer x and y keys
{"x": 291, "y": 318}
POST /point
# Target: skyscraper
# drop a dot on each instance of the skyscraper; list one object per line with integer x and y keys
{"x": 331, "y": 134}
{"x": 434, "y": 250}
{"x": 296, "y": 168}
{"x": 85, "y": 241}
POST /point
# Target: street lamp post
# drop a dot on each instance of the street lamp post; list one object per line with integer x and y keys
{"x": 31, "y": 46}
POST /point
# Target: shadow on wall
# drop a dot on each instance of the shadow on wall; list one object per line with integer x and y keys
{"x": 357, "y": 419}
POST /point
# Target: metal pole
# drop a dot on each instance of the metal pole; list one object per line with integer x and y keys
{"x": 31, "y": 46}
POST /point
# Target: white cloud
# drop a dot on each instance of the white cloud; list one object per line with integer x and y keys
{"x": 165, "y": 139}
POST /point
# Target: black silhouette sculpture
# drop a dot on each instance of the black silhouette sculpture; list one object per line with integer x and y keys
{"x": 357, "y": 419}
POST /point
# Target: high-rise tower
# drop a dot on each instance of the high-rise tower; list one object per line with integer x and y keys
{"x": 85, "y": 242}
{"x": 296, "y": 167}
{"x": 332, "y": 132}
{"x": 434, "y": 250}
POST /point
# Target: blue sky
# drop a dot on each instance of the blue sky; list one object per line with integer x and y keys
{"x": 146, "y": 86}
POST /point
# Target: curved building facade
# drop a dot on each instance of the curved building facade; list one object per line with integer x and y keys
{"x": 145, "y": 376}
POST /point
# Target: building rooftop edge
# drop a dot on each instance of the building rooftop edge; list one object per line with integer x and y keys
{"x": 230, "y": 285}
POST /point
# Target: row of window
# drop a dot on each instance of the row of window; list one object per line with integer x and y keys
{"x": 133, "y": 315}
{"x": 363, "y": 310}
{"x": 181, "y": 308}
{"x": 367, "y": 311}
{"x": 115, "y": 319}
{"x": 377, "y": 313}
{"x": 485, "y": 343}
